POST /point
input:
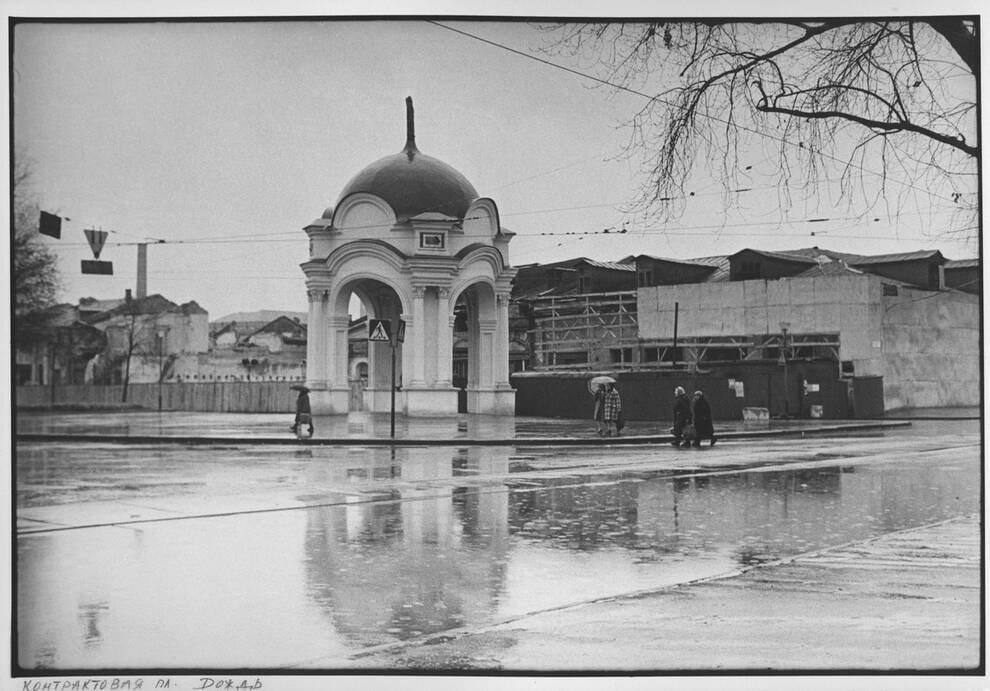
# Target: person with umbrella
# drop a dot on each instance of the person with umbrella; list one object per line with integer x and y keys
{"x": 304, "y": 415}
{"x": 597, "y": 388}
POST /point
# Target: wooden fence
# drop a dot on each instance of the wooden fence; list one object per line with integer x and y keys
{"x": 218, "y": 397}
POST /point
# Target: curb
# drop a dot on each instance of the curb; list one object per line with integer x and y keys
{"x": 516, "y": 441}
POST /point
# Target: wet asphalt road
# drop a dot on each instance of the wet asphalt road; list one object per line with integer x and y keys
{"x": 171, "y": 557}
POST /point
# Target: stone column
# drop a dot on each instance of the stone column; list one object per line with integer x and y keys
{"x": 486, "y": 353}
{"x": 419, "y": 337}
{"x": 337, "y": 356}
{"x": 501, "y": 350}
{"x": 316, "y": 374}
{"x": 445, "y": 338}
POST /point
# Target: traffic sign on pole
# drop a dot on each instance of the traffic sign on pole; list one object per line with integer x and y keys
{"x": 50, "y": 225}
{"x": 92, "y": 266}
{"x": 96, "y": 239}
{"x": 380, "y": 330}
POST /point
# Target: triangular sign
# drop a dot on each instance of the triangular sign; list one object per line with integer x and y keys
{"x": 379, "y": 332}
{"x": 96, "y": 239}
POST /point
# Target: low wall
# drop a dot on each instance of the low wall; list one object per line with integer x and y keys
{"x": 650, "y": 395}
{"x": 226, "y": 397}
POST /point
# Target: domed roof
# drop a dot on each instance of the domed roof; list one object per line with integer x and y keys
{"x": 413, "y": 183}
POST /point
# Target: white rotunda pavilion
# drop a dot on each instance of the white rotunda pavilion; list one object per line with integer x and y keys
{"x": 410, "y": 237}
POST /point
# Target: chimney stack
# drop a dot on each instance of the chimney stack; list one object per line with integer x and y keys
{"x": 142, "y": 271}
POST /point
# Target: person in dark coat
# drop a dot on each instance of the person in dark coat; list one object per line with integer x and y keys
{"x": 701, "y": 414}
{"x": 682, "y": 416}
{"x": 304, "y": 416}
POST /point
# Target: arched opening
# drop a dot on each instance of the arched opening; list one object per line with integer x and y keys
{"x": 369, "y": 363}
{"x": 474, "y": 331}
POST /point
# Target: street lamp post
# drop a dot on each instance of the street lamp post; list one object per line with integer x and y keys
{"x": 160, "y": 337}
{"x": 783, "y": 359}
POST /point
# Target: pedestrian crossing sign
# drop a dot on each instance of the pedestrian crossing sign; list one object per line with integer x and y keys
{"x": 379, "y": 330}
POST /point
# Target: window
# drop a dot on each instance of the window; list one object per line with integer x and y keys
{"x": 722, "y": 354}
{"x": 748, "y": 270}
{"x": 621, "y": 354}
{"x": 889, "y": 289}
{"x": 663, "y": 354}
{"x": 848, "y": 367}
{"x": 645, "y": 278}
{"x": 431, "y": 241}
{"x": 571, "y": 358}
{"x": 23, "y": 374}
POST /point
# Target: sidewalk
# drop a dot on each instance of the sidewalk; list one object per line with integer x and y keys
{"x": 375, "y": 429}
{"x": 906, "y": 601}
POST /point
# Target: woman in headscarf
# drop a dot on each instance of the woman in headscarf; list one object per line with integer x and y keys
{"x": 682, "y": 416}
{"x": 702, "y": 416}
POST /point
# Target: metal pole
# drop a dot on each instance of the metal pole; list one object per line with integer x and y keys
{"x": 787, "y": 392}
{"x": 393, "y": 390}
{"x": 673, "y": 351}
{"x": 51, "y": 370}
{"x": 159, "y": 372}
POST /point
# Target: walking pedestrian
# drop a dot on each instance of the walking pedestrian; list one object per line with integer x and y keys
{"x": 612, "y": 410}
{"x": 701, "y": 415}
{"x": 682, "y": 417}
{"x": 304, "y": 415}
{"x": 599, "y": 415}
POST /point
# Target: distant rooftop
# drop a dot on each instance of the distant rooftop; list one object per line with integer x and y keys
{"x": 261, "y": 316}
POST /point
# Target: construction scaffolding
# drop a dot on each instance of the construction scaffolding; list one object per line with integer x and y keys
{"x": 595, "y": 330}
{"x": 582, "y": 331}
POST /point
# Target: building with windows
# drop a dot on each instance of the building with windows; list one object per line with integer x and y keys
{"x": 894, "y": 319}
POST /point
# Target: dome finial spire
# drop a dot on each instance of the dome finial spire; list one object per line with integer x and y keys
{"x": 410, "y": 128}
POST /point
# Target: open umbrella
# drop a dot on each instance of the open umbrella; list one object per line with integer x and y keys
{"x": 595, "y": 382}
{"x": 299, "y": 387}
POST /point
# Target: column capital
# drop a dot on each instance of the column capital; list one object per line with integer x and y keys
{"x": 444, "y": 292}
{"x": 317, "y": 293}
{"x": 502, "y": 297}
{"x": 419, "y": 292}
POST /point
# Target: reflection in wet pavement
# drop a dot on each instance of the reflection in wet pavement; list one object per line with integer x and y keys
{"x": 391, "y": 544}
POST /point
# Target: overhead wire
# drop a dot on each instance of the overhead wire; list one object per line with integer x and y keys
{"x": 656, "y": 98}
{"x": 293, "y": 236}
{"x": 680, "y": 230}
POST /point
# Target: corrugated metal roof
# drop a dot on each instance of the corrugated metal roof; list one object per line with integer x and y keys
{"x": 832, "y": 268}
{"x": 684, "y": 262}
{"x": 815, "y": 252}
{"x": 784, "y": 256}
{"x": 901, "y": 257}
{"x": 962, "y": 264}
{"x": 611, "y": 266}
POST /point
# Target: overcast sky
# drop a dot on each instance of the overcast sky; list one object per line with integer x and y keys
{"x": 225, "y": 138}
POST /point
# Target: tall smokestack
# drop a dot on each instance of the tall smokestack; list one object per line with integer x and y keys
{"x": 142, "y": 271}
